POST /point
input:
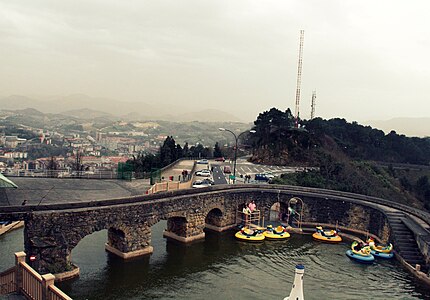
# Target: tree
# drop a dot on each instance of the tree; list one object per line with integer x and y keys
{"x": 186, "y": 150}
{"x": 179, "y": 152}
{"x": 52, "y": 166}
{"x": 168, "y": 151}
{"x": 217, "y": 151}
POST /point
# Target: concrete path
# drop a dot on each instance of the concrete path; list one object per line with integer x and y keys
{"x": 55, "y": 190}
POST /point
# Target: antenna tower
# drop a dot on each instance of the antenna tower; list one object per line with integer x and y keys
{"x": 299, "y": 76}
{"x": 314, "y": 97}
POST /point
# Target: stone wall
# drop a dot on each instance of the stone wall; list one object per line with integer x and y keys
{"x": 51, "y": 235}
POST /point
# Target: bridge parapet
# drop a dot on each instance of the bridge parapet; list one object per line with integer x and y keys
{"x": 52, "y": 231}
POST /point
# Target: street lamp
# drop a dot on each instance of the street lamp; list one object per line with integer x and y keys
{"x": 236, "y": 138}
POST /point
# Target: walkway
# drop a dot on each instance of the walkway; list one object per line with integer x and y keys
{"x": 55, "y": 190}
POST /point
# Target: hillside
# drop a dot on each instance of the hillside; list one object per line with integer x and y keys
{"x": 348, "y": 156}
{"x": 408, "y": 126}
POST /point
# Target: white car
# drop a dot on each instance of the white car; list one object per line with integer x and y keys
{"x": 204, "y": 173}
{"x": 200, "y": 184}
{"x": 269, "y": 175}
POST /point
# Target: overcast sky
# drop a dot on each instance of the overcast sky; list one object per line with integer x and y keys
{"x": 366, "y": 59}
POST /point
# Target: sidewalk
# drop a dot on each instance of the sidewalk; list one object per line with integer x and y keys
{"x": 176, "y": 170}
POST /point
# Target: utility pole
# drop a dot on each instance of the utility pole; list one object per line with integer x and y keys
{"x": 299, "y": 77}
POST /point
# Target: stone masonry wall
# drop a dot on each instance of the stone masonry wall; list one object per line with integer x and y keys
{"x": 52, "y": 235}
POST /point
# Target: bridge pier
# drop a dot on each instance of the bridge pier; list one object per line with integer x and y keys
{"x": 132, "y": 241}
{"x": 185, "y": 231}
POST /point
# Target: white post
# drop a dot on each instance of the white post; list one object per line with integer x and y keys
{"x": 297, "y": 290}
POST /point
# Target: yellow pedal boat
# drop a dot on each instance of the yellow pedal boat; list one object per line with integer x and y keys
{"x": 249, "y": 235}
{"x": 330, "y": 236}
{"x": 278, "y": 233}
{"x": 379, "y": 248}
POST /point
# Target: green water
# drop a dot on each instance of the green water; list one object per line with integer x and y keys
{"x": 222, "y": 268}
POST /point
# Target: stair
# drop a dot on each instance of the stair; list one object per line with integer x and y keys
{"x": 404, "y": 241}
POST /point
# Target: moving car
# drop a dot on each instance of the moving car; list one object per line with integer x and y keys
{"x": 227, "y": 169}
{"x": 220, "y": 159}
{"x": 204, "y": 173}
{"x": 203, "y": 161}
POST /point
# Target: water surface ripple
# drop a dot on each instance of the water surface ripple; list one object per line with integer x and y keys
{"x": 222, "y": 268}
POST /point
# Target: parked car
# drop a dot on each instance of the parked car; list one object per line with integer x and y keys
{"x": 200, "y": 184}
{"x": 203, "y": 161}
{"x": 220, "y": 159}
{"x": 227, "y": 169}
{"x": 204, "y": 173}
{"x": 208, "y": 181}
{"x": 264, "y": 177}
{"x": 269, "y": 175}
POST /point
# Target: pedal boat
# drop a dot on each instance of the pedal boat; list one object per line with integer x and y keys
{"x": 249, "y": 235}
{"x": 361, "y": 255}
{"x": 278, "y": 233}
{"x": 327, "y": 236}
{"x": 379, "y": 250}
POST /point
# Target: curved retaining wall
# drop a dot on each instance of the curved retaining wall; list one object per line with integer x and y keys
{"x": 187, "y": 212}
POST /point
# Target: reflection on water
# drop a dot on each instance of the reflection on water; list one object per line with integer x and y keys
{"x": 222, "y": 268}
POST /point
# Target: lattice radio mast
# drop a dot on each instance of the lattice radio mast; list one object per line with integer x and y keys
{"x": 299, "y": 77}
{"x": 314, "y": 97}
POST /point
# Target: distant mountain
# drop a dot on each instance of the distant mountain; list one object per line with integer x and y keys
{"x": 419, "y": 127}
{"x": 79, "y": 104}
{"x": 207, "y": 115}
{"x": 29, "y": 112}
{"x": 14, "y": 102}
{"x": 86, "y": 113}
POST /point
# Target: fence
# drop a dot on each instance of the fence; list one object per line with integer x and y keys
{"x": 7, "y": 281}
{"x": 100, "y": 174}
{"x": 168, "y": 186}
{"x": 23, "y": 279}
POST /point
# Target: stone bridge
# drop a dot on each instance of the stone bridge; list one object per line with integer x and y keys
{"x": 52, "y": 231}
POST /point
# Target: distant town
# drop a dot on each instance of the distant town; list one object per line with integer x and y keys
{"x": 33, "y": 143}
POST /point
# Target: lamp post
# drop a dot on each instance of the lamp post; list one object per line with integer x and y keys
{"x": 236, "y": 138}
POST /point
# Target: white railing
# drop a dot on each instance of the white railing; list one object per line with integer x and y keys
{"x": 168, "y": 186}
{"x": 55, "y": 293}
{"x": 7, "y": 281}
{"x": 31, "y": 282}
{"x": 23, "y": 279}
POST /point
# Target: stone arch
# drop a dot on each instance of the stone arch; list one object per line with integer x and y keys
{"x": 177, "y": 225}
{"x": 266, "y": 200}
{"x": 214, "y": 217}
{"x": 116, "y": 238}
{"x": 277, "y": 211}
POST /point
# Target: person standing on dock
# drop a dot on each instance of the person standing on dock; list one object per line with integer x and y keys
{"x": 252, "y": 206}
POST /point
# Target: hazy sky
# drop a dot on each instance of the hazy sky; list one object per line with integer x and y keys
{"x": 366, "y": 59}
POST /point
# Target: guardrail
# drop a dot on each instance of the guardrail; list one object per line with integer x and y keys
{"x": 23, "y": 279}
{"x": 101, "y": 174}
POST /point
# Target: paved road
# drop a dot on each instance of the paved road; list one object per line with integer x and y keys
{"x": 218, "y": 175}
{"x": 243, "y": 167}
